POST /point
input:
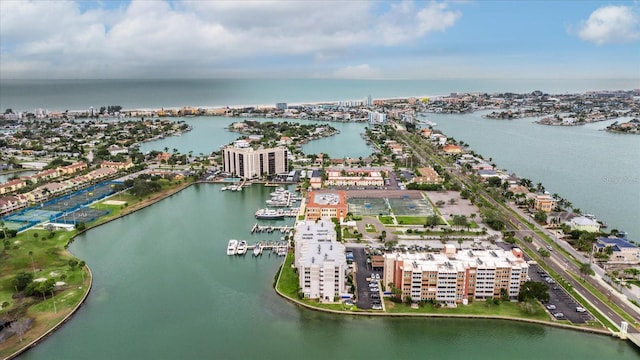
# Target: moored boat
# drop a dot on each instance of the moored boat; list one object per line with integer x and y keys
{"x": 269, "y": 214}
{"x": 257, "y": 250}
{"x": 232, "y": 247}
{"x": 242, "y": 247}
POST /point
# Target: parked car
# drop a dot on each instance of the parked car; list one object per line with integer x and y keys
{"x": 551, "y": 307}
{"x": 580, "y": 309}
{"x": 558, "y": 315}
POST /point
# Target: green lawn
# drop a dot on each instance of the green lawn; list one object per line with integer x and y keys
{"x": 411, "y": 220}
{"x": 385, "y": 219}
{"x": 288, "y": 283}
{"x": 370, "y": 228}
{"x": 475, "y": 308}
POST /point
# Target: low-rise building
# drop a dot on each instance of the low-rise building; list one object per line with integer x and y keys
{"x": 354, "y": 177}
{"x": 623, "y": 252}
{"x": 583, "y": 223}
{"x": 326, "y": 205}
{"x": 544, "y": 202}
{"x": 320, "y": 260}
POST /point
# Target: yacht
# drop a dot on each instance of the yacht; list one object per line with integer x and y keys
{"x": 257, "y": 250}
{"x": 232, "y": 247}
{"x": 269, "y": 214}
{"x": 242, "y": 247}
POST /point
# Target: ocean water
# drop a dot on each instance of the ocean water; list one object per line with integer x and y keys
{"x": 60, "y": 95}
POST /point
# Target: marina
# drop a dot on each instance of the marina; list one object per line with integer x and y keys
{"x": 279, "y": 248}
{"x": 282, "y": 197}
{"x": 257, "y": 228}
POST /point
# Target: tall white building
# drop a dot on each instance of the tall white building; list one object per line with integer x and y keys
{"x": 249, "y": 163}
{"x": 320, "y": 260}
{"x": 377, "y": 117}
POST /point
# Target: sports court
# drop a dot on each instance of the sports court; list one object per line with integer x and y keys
{"x": 70, "y": 209}
{"x": 401, "y": 203}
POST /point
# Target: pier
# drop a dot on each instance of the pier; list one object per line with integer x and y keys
{"x": 279, "y": 248}
{"x": 257, "y": 228}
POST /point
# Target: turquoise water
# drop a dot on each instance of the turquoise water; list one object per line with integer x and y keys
{"x": 165, "y": 289}
{"x": 60, "y": 95}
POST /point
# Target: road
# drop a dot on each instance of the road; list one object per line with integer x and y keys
{"x": 556, "y": 261}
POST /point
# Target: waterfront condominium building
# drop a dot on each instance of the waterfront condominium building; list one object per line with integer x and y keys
{"x": 249, "y": 163}
{"x": 320, "y": 260}
{"x": 456, "y": 277}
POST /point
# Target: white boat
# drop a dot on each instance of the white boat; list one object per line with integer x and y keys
{"x": 232, "y": 248}
{"x": 269, "y": 214}
{"x": 257, "y": 250}
{"x": 242, "y": 247}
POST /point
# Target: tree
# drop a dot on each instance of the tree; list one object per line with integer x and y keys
{"x": 460, "y": 221}
{"x": 540, "y": 216}
{"x": 32, "y": 263}
{"x": 585, "y": 269}
{"x": 21, "y": 280}
{"x": 433, "y": 220}
{"x": 534, "y": 290}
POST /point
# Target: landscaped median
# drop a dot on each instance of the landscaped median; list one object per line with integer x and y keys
{"x": 286, "y": 285}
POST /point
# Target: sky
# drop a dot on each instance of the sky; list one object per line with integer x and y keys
{"x": 320, "y": 39}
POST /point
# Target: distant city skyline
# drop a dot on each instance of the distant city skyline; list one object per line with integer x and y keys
{"x": 320, "y": 39}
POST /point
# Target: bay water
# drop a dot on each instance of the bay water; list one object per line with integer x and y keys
{"x": 164, "y": 287}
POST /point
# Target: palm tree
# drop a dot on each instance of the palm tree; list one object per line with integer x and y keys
{"x": 32, "y": 263}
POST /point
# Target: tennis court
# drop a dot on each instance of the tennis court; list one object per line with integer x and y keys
{"x": 368, "y": 206}
{"x": 411, "y": 207}
{"x": 62, "y": 209}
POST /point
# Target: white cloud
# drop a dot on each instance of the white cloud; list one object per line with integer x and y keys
{"x": 611, "y": 24}
{"x": 200, "y": 38}
{"x": 363, "y": 71}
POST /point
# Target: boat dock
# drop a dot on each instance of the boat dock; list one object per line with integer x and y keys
{"x": 269, "y": 229}
{"x": 279, "y": 248}
{"x": 286, "y": 212}
{"x": 282, "y": 198}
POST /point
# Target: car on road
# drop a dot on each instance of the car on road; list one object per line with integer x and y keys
{"x": 580, "y": 309}
{"x": 551, "y": 307}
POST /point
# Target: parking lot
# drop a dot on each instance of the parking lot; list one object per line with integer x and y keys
{"x": 560, "y": 302}
{"x": 367, "y": 296}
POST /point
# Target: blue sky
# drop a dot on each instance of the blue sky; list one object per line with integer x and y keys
{"x": 320, "y": 39}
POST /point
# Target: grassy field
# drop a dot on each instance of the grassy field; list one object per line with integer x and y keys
{"x": 411, "y": 220}
{"x": 386, "y": 219}
{"x": 475, "y": 308}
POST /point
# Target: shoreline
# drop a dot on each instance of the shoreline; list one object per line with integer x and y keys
{"x": 418, "y": 315}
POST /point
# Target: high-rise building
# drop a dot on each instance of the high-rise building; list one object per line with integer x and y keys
{"x": 377, "y": 117}
{"x": 320, "y": 260}
{"x": 249, "y": 163}
{"x": 455, "y": 277}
